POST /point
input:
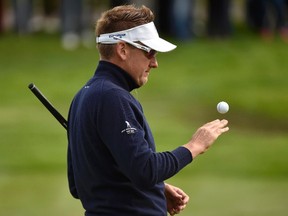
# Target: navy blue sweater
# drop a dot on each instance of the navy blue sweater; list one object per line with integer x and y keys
{"x": 113, "y": 167}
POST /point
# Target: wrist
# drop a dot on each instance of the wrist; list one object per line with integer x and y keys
{"x": 195, "y": 151}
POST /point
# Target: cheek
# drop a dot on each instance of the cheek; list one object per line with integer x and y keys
{"x": 138, "y": 66}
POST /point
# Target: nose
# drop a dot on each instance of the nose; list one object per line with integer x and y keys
{"x": 153, "y": 63}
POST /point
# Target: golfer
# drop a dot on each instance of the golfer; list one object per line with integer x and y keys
{"x": 113, "y": 166}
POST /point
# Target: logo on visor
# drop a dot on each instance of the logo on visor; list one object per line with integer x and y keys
{"x": 117, "y": 35}
{"x": 129, "y": 129}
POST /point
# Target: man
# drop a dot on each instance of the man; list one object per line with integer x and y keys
{"x": 113, "y": 167}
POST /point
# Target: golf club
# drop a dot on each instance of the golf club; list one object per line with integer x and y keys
{"x": 48, "y": 105}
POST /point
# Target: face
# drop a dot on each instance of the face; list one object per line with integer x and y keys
{"x": 139, "y": 64}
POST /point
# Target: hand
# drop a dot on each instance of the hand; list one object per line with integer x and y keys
{"x": 205, "y": 136}
{"x": 176, "y": 199}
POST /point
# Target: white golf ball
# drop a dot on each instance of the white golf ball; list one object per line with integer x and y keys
{"x": 222, "y": 107}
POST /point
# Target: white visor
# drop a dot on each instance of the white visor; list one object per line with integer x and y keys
{"x": 146, "y": 34}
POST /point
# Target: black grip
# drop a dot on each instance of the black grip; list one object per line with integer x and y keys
{"x": 48, "y": 105}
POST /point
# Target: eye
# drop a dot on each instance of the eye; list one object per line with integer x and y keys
{"x": 151, "y": 54}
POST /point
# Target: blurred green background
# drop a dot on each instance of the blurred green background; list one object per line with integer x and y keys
{"x": 244, "y": 173}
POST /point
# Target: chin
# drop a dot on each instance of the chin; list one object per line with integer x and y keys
{"x": 145, "y": 81}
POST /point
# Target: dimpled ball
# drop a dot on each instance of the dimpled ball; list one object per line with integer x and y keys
{"x": 222, "y": 107}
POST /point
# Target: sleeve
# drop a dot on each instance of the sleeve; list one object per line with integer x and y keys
{"x": 122, "y": 129}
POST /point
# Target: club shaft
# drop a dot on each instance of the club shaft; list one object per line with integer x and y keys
{"x": 48, "y": 105}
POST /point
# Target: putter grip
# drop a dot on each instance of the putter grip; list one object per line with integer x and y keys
{"x": 48, "y": 105}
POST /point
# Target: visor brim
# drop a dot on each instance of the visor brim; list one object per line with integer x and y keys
{"x": 159, "y": 44}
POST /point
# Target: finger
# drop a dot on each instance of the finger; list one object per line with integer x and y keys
{"x": 178, "y": 210}
{"x": 186, "y": 199}
{"x": 182, "y": 208}
{"x": 212, "y": 123}
{"x": 221, "y": 128}
{"x": 172, "y": 212}
{"x": 219, "y": 124}
{"x": 223, "y": 122}
{"x": 180, "y": 192}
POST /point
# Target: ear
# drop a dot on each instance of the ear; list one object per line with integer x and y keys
{"x": 121, "y": 50}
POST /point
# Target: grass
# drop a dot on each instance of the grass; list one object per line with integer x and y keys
{"x": 244, "y": 173}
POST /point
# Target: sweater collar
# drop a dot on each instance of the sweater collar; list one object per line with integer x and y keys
{"x": 116, "y": 74}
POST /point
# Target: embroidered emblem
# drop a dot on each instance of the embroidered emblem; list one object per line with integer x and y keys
{"x": 129, "y": 129}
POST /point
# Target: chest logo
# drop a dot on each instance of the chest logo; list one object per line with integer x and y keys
{"x": 129, "y": 129}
